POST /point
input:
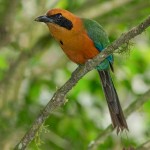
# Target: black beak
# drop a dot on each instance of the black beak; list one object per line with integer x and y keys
{"x": 44, "y": 18}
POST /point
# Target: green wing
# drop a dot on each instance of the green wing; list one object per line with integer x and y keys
{"x": 99, "y": 37}
{"x": 96, "y": 33}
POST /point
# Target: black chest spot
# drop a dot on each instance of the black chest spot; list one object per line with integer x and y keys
{"x": 61, "y": 42}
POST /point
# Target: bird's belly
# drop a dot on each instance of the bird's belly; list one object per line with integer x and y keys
{"x": 78, "y": 56}
{"x": 79, "y": 49}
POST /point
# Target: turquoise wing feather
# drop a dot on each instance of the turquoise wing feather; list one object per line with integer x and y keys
{"x": 99, "y": 37}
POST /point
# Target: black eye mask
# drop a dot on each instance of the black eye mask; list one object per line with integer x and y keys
{"x": 61, "y": 21}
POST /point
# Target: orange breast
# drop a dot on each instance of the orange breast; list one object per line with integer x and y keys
{"x": 79, "y": 49}
{"x": 75, "y": 43}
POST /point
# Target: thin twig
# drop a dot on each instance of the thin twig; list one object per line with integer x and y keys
{"x": 24, "y": 55}
{"x": 58, "y": 98}
{"x": 102, "y": 8}
{"x": 144, "y": 146}
{"x": 132, "y": 108}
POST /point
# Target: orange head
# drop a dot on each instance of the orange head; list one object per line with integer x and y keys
{"x": 69, "y": 31}
{"x": 58, "y": 17}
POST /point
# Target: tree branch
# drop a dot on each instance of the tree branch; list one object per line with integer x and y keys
{"x": 132, "y": 108}
{"x": 144, "y": 146}
{"x": 102, "y": 8}
{"x": 58, "y": 98}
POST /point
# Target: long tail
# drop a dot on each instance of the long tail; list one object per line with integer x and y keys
{"x": 116, "y": 113}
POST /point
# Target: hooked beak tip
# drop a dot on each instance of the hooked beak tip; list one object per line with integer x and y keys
{"x": 36, "y": 19}
{"x": 44, "y": 19}
{"x": 40, "y": 19}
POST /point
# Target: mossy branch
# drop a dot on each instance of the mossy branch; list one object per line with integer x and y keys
{"x": 58, "y": 98}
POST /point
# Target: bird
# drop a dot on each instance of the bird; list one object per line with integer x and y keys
{"x": 81, "y": 39}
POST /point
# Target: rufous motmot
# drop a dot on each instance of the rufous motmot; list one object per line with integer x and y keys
{"x": 82, "y": 39}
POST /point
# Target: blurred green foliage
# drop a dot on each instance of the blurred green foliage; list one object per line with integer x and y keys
{"x": 32, "y": 67}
